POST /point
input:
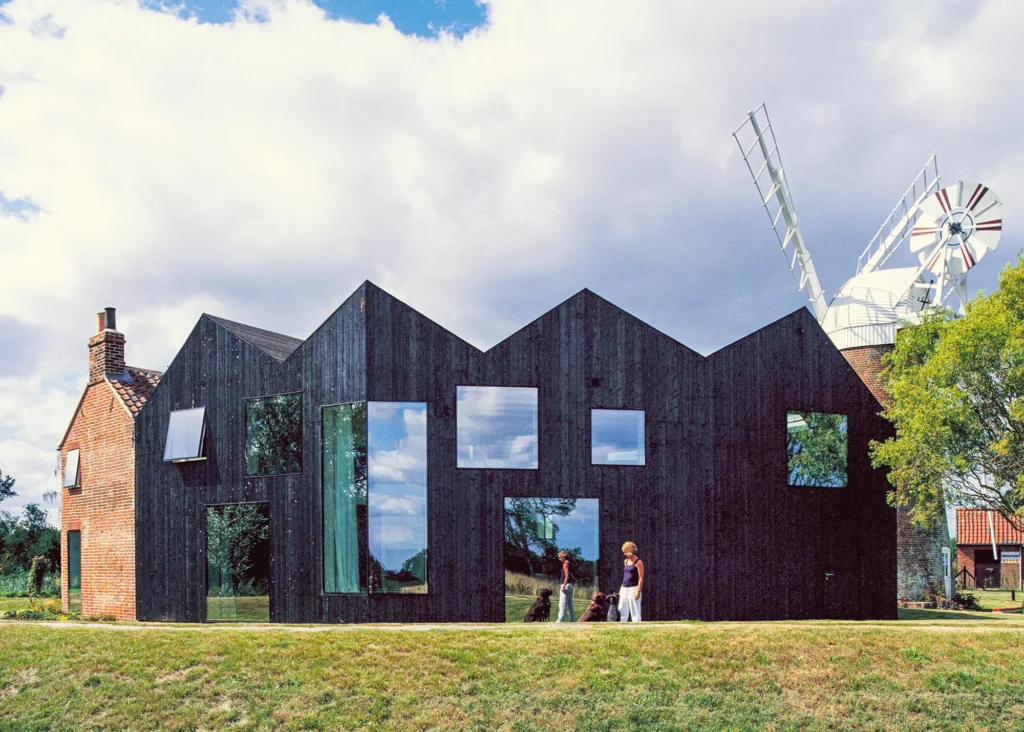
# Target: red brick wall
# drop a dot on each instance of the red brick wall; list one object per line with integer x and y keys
{"x": 867, "y": 362}
{"x": 103, "y": 509}
{"x": 918, "y": 550}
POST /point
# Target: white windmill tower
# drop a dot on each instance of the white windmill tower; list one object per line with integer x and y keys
{"x": 949, "y": 229}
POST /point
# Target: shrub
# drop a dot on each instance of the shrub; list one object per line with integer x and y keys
{"x": 36, "y": 576}
{"x": 966, "y": 600}
{"x": 15, "y": 584}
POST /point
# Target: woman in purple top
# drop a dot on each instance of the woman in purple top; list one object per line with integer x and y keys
{"x": 632, "y": 584}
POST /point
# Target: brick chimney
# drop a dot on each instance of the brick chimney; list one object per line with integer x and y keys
{"x": 106, "y": 348}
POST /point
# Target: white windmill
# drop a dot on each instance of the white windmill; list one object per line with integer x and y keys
{"x": 949, "y": 229}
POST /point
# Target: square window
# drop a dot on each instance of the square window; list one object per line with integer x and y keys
{"x": 617, "y": 437}
{"x": 273, "y": 435}
{"x": 71, "y": 469}
{"x": 186, "y": 435}
{"x": 816, "y": 448}
{"x": 496, "y": 427}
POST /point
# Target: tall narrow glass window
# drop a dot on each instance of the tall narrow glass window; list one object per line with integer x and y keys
{"x": 375, "y": 497}
{"x": 238, "y": 562}
{"x": 186, "y": 433}
{"x": 496, "y": 427}
{"x": 71, "y": 465}
{"x": 75, "y": 571}
{"x": 398, "y": 496}
{"x": 345, "y": 510}
{"x": 816, "y": 448}
{"x": 617, "y": 437}
{"x": 273, "y": 435}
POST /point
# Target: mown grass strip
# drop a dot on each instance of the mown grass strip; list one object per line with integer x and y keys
{"x": 598, "y": 678}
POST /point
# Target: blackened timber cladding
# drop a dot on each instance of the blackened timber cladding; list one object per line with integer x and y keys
{"x": 722, "y": 534}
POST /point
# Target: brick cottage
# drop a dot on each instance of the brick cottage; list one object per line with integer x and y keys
{"x": 988, "y": 549}
{"x": 97, "y": 457}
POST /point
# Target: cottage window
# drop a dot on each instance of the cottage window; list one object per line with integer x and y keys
{"x": 496, "y": 427}
{"x": 816, "y": 449}
{"x": 375, "y": 497}
{"x": 273, "y": 435}
{"x": 617, "y": 437}
{"x": 71, "y": 469}
{"x": 186, "y": 435}
{"x": 75, "y": 571}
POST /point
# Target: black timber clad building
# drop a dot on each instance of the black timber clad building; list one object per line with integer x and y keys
{"x": 723, "y": 534}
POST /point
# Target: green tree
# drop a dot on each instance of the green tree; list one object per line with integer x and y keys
{"x": 526, "y": 548}
{"x": 233, "y": 534}
{"x": 816, "y": 448}
{"x": 6, "y": 486}
{"x": 957, "y": 388}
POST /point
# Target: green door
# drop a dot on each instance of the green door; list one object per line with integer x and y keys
{"x": 75, "y": 571}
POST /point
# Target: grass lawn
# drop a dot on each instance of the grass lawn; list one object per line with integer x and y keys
{"x": 238, "y": 609}
{"x": 997, "y": 598}
{"x": 24, "y": 603}
{"x": 924, "y": 672}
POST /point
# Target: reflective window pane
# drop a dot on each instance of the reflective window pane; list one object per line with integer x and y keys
{"x": 238, "y": 562}
{"x": 71, "y": 465}
{"x": 75, "y": 571}
{"x": 536, "y": 530}
{"x": 273, "y": 435}
{"x": 186, "y": 431}
{"x": 617, "y": 437}
{"x": 345, "y": 508}
{"x": 397, "y": 469}
{"x": 816, "y": 448}
{"x": 497, "y": 427}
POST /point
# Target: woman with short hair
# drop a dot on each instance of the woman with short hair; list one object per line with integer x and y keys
{"x": 565, "y": 607}
{"x": 632, "y": 584}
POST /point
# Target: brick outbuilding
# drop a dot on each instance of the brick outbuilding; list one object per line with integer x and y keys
{"x": 97, "y": 457}
{"x": 988, "y": 547}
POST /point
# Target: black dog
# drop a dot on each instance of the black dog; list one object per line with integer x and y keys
{"x": 595, "y": 613}
{"x": 541, "y": 610}
{"x": 613, "y": 608}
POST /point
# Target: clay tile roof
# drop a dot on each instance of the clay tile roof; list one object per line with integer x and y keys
{"x": 972, "y": 528}
{"x": 134, "y": 386}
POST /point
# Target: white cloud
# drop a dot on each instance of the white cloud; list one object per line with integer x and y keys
{"x": 261, "y": 170}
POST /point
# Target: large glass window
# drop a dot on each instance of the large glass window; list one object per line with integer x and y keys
{"x": 375, "y": 497}
{"x": 496, "y": 427}
{"x": 398, "y": 496}
{"x": 345, "y": 511}
{"x": 816, "y": 449}
{"x": 273, "y": 435}
{"x": 186, "y": 433}
{"x": 75, "y": 571}
{"x": 71, "y": 465}
{"x": 617, "y": 437}
{"x": 536, "y": 530}
{"x": 238, "y": 562}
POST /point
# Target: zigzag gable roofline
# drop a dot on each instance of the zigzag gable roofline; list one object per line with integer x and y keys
{"x": 282, "y": 347}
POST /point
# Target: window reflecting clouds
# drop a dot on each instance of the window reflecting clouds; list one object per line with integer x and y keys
{"x": 816, "y": 448}
{"x": 186, "y": 429}
{"x": 497, "y": 427}
{"x": 617, "y": 437}
{"x": 398, "y": 496}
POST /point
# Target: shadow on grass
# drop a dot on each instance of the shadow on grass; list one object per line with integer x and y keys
{"x": 961, "y": 615}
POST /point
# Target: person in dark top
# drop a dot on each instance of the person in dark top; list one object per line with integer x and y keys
{"x": 632, "y": 584}
{"x": 565, "y": 608}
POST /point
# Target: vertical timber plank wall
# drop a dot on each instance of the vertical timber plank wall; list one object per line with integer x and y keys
{"x": 722, "y": 535}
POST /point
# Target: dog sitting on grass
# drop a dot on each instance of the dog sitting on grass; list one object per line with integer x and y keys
{"x": 597, "y": 610}
{"x": 613, "y": 608}
{"x": 541, "y": 610}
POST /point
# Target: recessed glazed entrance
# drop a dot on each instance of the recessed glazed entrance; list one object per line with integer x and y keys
{"x": 238, "y": 563}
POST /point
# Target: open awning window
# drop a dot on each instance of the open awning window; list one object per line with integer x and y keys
{"x": 186, "y": 435}
{"x": 71, "y": 469}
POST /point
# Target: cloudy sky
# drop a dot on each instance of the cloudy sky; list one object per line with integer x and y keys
{"x": 259, "y": 160}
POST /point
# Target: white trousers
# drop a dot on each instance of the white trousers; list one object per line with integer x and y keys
{"x": 629, "y": 605}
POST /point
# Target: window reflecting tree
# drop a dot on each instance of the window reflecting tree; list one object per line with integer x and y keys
{"x": 273, "y": 435}
{"x": 816, "y": 448}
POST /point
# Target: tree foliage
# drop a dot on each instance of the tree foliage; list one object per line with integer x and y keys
{"x": 957, "y": 388}
{"x": 817, "y": 451}
{"x": 6, "y": 486}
